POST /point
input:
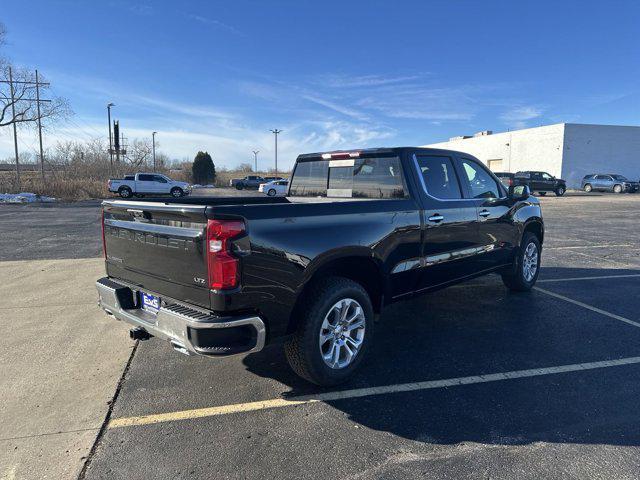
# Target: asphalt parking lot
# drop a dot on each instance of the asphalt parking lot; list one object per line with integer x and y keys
{"x": 468, "y": 382}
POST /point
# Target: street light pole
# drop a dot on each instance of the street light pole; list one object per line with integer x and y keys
{"x": 275, "y": 133}
{"x": 153, "y": 137}
{"x": 255, "y": 159}
{"x": 109, "y": 105}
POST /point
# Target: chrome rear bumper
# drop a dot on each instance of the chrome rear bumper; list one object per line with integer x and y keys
{"x": 188, "y": 330}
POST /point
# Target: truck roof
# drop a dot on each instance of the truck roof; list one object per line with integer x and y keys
{"x": 368, "y": 152}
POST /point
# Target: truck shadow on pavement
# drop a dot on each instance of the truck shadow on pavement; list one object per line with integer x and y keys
{"x": 481, "y": 328}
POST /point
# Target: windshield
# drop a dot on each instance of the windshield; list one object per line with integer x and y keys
{"x": 619, "y": 177}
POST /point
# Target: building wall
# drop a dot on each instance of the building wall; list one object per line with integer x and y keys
{"x": 600, "y": 149}
{"x": 537, "y": 148}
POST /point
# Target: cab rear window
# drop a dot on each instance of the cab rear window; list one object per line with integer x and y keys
{"x": 353, "y": 178}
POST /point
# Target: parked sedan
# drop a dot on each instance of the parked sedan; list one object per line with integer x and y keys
{"x": 277, "y": 188}
{"x": 608, "y": 182}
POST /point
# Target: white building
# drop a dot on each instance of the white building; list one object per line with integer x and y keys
{"x": 565, "y": 150}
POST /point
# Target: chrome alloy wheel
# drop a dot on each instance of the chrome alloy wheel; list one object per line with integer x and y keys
{"x": 530, "y": 262}
{"x": 342, "y": 333}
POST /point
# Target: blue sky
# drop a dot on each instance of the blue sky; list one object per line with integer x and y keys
{"x": 217, "y": 76}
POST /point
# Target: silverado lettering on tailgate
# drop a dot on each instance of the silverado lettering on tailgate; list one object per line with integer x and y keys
{"x": 151, "y": 239}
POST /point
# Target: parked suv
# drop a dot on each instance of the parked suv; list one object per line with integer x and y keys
{"x": 608, "y": 182}
{"x": 358, "y": 231}
{"x": 541, "y": 182}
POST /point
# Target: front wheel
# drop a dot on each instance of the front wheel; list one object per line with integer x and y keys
{"x": 524, "y": 273}
{"x": 271, "y": 192}
{"x": 560, "y": 191}
{"x": 334, "y": 332}
{"x": 177, "y": 192}
{"x": 617, "y": 188}
{"x": 239, "y": 186}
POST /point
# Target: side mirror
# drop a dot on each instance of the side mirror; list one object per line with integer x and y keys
{"x": 519, "y": 192}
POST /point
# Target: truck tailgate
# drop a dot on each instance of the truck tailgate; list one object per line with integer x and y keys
{"x": 158, "y": 247}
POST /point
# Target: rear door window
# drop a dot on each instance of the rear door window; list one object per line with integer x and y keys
{"x": 145, "y": 178}
{"x": 439, "y": 177}
{"x": 366, "y": 178}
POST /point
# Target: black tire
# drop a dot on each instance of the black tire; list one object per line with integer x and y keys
{"x": 587, "y": 187}
{"x": 271, "y": 192}
{"x": 303, "y": 350}
{"x": 560, "y": 191}
{"x": 239, "y": 186}
{"x": 125, "y": 192}
{"x": 177, "y": 192}
{"x": 515, "y": 279}
{"x": 617, "y": 189}
{"x": 542, "y": 193}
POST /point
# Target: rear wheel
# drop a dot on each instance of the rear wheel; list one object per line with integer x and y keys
{"x": 524, "y": 273}
{"x": 239, "y": 186}
{"x": 333, "y": 334}
{"x": 125, "y": 192}
{"x": 177, "y": 192}
{"x": 617, "y": 188}
{"x": 560, "y": 191}
{"x": 271, "y": 192}
{"x": 588, "y": 187}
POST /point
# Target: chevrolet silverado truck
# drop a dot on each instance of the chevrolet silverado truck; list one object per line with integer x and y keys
{"x": 541, "y": 182}
{"x": 311, "y": 271}
{"x": 142, "y": 184}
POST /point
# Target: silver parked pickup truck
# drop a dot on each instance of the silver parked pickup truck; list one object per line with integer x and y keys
{"x": 142, "y": 184}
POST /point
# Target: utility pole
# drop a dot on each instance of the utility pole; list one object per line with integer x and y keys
{"x": 39, "y": 126}
{"x": 275, "y": 133}
{"x": 255, "y": 159}
{"x": 116, "y": 140}
{"x": 28, "y": 84}
{"x": 15, "y": 128}
{"x": 109, "y": 105}
{"x": 153, "y": 139}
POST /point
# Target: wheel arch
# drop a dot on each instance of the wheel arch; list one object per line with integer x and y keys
{"x": 536, "y": 227}
{"x": 359, "y": 268}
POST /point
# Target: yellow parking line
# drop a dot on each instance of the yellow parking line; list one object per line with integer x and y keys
{"x": 362, "y": 392}
{"x": 577, "y": 247}
{"x": 601, "y": 277}
{"x": 588, "y": 307}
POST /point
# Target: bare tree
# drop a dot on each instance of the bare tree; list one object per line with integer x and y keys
{"x": 139, "y": 153}
{"x": 245, "y": 168}
{"x": 24, "y": 95}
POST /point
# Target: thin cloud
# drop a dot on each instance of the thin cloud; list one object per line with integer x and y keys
{"x": 343, "y": 81}
{"x": 344, "y": 110}
{"x": 520, "y": 116}
{"x": 214, "y": 23}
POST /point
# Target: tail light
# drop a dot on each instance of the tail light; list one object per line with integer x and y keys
{"x": 109, "y": 184}
{"x": 224, "y": 271}
{"x": 104, "y": 242}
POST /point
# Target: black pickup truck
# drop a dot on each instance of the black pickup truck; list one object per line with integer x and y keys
{"x": 541, "y": 182}
{"x": 358, "y": 231}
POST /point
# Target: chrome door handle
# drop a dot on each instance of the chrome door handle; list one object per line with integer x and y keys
{"x": 484, "y": 213}
{"x": 436, "y": 218}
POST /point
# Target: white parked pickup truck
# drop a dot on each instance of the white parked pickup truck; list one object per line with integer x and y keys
{"x": 142, "y": 184}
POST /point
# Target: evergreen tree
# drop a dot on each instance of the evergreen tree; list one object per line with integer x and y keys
{"x": 204, "y": 171}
